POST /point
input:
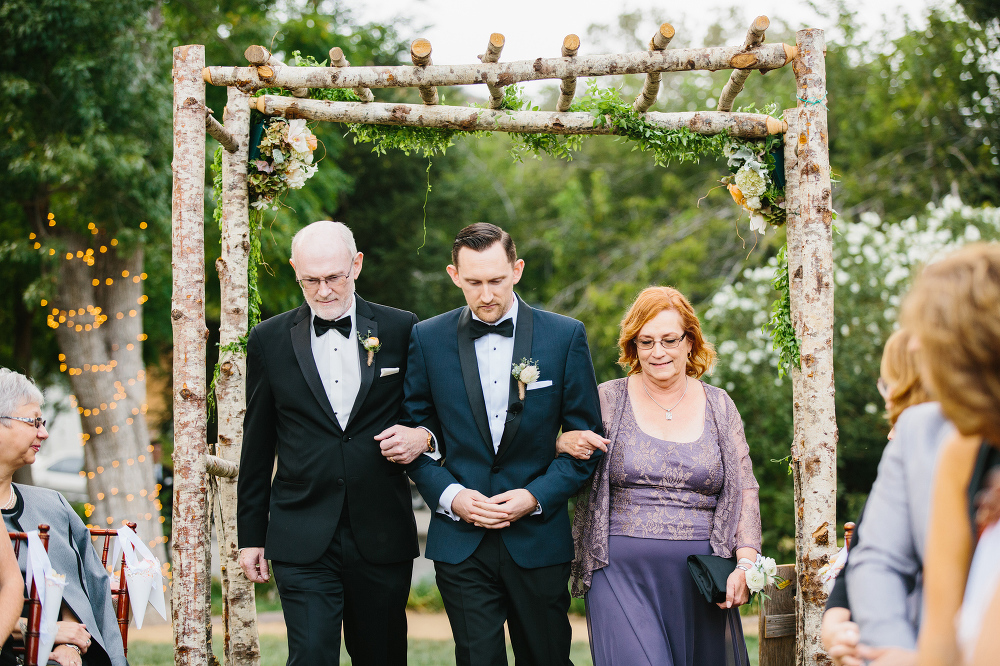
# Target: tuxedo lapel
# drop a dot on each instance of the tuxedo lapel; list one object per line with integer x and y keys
{"x": 302, "y": 345}
{"x": 366, "y": 323}
{"x": 470, "y": 373}
{"x": 522, "y": 349}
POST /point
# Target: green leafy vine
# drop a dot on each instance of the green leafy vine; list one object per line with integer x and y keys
{"x": 780, "y": 327}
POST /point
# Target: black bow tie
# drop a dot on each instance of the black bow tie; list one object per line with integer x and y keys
{"x": 478, "y": 329}
{"x": 342, "y": 325}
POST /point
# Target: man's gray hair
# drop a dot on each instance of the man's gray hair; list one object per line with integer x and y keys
{"x": 338, "y": 229}
{"x": 16, "y": 390}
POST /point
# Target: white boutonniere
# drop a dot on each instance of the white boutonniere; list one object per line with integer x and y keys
{"x": 526, "y": 372}
{"x": 371, "y": 345}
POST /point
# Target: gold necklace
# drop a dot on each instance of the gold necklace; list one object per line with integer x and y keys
{"x": 669, "y": 415}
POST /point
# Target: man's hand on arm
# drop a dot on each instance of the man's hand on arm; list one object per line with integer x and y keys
{"x": 581, "y": 443}
{"x": 403, "y": 445}
{"x": 254, "y": 565}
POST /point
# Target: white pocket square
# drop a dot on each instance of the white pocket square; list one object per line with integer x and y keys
{"x": 385, "y": 372}
{"x": 538, "y": 385}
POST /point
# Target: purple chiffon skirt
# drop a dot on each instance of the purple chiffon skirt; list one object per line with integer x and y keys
{"x": 643, "y": 609}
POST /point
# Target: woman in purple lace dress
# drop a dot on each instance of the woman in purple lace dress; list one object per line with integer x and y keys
{"x": 676, "y": 481}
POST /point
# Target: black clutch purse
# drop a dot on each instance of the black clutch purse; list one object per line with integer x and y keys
{"x": 710, "y": 573}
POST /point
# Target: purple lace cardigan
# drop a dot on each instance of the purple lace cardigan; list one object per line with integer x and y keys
{"x": 737, "y": 514}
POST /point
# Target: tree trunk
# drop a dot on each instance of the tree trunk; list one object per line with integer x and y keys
{"x": 239, "y": 612}
{"x": 190, "y": 578}
{"x": 472, "y": 119}
{"x": 99, "y": 331}
{"x": 810, "y": 266}
{"x": 764, "y": 57}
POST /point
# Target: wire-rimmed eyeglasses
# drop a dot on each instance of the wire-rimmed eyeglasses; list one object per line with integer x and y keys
{"x": 36, "y": 421}
{"x": 332, "y": 281}
{"x": 666, "y": 343}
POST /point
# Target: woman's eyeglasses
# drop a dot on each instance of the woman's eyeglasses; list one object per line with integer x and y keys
{"x": 666, "y": 343}
{"x": 36, "y": 421}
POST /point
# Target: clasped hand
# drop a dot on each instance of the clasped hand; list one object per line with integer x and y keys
{"x": 495, "y": 512}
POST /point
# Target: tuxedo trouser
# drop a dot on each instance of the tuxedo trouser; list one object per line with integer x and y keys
{"x": 342, "y": 587}
{"x": 489, "y": 588}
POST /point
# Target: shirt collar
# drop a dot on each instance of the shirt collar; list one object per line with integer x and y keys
{"x": 511, "y": 314}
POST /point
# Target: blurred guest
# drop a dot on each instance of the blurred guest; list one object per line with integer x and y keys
{"x": 676, "y": 481}
{"x": 953, "y": 311}
{"x": 88, "y": 633}
{"x": 887, "y": 559}
{"x": 11, "y": 588}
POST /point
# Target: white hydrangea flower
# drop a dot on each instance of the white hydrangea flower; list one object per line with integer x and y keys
{"x": 750, "y": 182}
{"x": 752, "y": 203}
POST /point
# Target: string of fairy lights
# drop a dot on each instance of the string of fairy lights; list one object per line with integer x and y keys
{"x": 88, "y": 318}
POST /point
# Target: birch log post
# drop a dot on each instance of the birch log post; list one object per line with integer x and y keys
{"x": 268, "y": 64}
{"x": 764, "y": 57}
{"x": 492, "y": 54}
{"x": 239, "y": 616}
{"x": 190, "y": 578}
{"x": 337, "y": 59}
{"x": 810, "y": 266}
{"x": 420, "y": 54}
{"x": 651, "y": 86}
{"x": 567, "y": 87}
{"x": 471, "y": 119}
{"x": 755, "y": 37}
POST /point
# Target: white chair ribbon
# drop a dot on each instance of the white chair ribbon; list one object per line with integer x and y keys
{"x": 145, "y": 579}
{"x": 49, "y": 586}
{"x": 830, "y": 571}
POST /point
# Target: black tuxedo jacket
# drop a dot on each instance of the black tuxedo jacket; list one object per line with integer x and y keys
{"x": 320, "y": 465}
{"x": 444, "y": 394}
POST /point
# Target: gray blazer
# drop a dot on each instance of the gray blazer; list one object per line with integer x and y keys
{"x": 88, "y": 585}
{"x": 885, "y": 570}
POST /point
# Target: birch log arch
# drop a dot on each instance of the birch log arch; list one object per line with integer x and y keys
{"x": 199, "y": 476}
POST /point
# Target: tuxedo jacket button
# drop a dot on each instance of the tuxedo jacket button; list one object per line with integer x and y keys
{"x": 496, "y": 469}
{"x": 340, "y": 482}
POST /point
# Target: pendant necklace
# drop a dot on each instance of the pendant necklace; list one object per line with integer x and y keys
{"x": 669, "y": 416}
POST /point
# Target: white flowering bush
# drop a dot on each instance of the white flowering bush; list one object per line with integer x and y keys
{"x": 873, "y": 265}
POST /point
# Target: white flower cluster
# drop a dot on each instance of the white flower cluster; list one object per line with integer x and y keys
{"x": 750, "y": 183}
{"x": 764, "y": 572}
{"x": 287, "y": 148}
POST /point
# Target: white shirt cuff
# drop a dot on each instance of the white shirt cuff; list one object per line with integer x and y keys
{"x": 538, "y": 509}
{"x": 435, "y": 454}
{"x": 447, "y": 497}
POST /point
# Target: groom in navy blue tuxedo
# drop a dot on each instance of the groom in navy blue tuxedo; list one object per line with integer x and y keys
{"x": 500, "y": 536}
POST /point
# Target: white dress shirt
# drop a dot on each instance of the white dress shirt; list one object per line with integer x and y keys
{"x": 339, "y": 365}
{"x": 494, "y": 353}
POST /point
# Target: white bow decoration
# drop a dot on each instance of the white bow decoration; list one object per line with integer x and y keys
{"x": 49, "y": 586}
{"x": 145, "y": 579}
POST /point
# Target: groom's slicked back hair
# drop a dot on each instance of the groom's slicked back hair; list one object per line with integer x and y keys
{"x": 482, "y": 236}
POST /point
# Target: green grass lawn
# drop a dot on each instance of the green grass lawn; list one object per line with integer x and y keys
{"x": 274, "y": 651}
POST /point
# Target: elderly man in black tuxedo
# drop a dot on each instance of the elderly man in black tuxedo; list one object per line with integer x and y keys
{"x": 500, "y": 537}
{"x": 336, "y": 519}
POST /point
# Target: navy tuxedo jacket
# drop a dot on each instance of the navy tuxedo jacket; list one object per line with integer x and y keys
{"x": 443, "y": 393}
{"x": 320, "y": 465}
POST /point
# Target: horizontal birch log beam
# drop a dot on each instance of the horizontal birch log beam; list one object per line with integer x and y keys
{"x": 567, "y": 87}
{"x": 471, "y": 119}
{"x": 337, "y": 59}
{"x": 217, "y": 466}
{"x": 218, "y": 132}
{"x": 755, "y": 37}
{"x": 492, "y": 54}
{"x": 651, "y": 86}
{"x": 765, "y": 57}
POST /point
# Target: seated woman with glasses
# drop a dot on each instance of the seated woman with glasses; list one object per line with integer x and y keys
{"x": 676, "y": 481}
{"x": 88, "y": 632}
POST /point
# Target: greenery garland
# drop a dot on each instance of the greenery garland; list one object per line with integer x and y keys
{"x": 780, "y": 327}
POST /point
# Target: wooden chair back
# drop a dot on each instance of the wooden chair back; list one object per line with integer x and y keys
{"x": 848, "y": 534}
{"x": 30, "y": 647}
{"x": 118, "y": 596}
